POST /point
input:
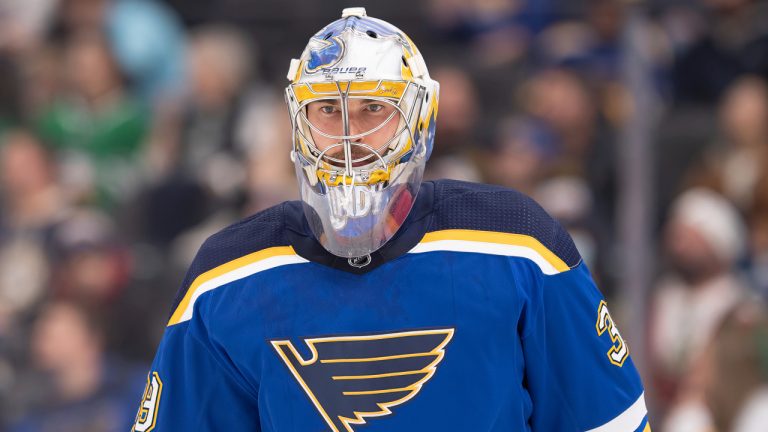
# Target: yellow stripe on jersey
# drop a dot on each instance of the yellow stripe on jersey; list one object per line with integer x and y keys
{"x": 519, "y": 240}
{"x": 510, "y": 239}
{"x": 224, "y": 269}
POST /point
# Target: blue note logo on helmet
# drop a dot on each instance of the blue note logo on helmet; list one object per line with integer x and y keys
{"x": 328, "y": 53}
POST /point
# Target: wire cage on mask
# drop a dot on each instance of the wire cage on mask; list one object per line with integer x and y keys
{"x": 358, "y": 193}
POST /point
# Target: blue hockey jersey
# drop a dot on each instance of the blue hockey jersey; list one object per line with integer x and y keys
{"x": 479, "y": 315}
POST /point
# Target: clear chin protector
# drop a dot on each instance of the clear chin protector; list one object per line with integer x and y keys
{"x": 359, "y": 155}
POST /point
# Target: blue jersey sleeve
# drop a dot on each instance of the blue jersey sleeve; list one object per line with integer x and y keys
{"x": 193, "y": 384}
{"x": 192, "y": 388}
{"x": 578, "y": 370}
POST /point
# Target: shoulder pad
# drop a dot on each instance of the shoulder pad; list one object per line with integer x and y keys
{"x": 260, "y": 231}
{"x": 470, "y": 206}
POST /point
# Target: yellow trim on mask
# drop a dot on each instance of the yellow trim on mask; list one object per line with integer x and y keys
{"x": 388, "y": 89}
{"x": 377, "y": 176}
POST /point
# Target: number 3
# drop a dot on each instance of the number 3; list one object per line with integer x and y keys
{"x": 619, "y": 351}
{"x": 147, "y": 415}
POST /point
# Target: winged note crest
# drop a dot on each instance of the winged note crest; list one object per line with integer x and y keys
{"x": 326, "y": 53}
{"x": 349, "y": 378}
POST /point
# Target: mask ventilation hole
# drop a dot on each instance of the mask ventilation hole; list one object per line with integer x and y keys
{"x": 405, "y": 63}
{"x": 372, "y": 34}
{"x": 328, "y": 36}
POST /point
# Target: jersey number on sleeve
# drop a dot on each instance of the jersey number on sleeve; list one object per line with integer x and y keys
{"x": 619, "y": 351}
{"x": 147, "y": 415}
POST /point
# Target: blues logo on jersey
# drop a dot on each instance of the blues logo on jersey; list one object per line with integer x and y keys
{"x": 349, "y": 378}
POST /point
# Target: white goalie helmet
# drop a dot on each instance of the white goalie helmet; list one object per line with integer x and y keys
{"x": 363, "y": 110}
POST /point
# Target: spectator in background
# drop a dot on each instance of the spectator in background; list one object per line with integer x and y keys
{"x": 459, "y": 116}
{"x": 228, "y": 118}
{"x": 493, "y": 31}
{"x": 80, "y": 15}
{"x": 563, "y": 102}
{"x": 97, "y": 129}
{"x": 228, "y": 137}
{"x": 90, "y": 264}
{"x": 591, "y": 45}
{"x": 10, "y": 96}
{"x": 42, "y": 81}
{"x": 737, "y": 165}
{"x": 145, "y": 37}
{"x": 757, "y": 217}
{"x": 94, "y": 266}
{"x": 32, "y": 206}
{"x": 733, "y": 41}
{"x": 221, "y": 64}
{"x": 23, "y": 24}
{"x": 148, "y": 42}
{"x": 737, "y": 391}
{"x": 82, "y": 388}
{"x": 727, "y": 390}
{"x": 521, "y": 154}
{"x": 740, "y": 158}
{"x": 703, "y": 239}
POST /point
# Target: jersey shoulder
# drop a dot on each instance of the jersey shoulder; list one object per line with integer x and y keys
{"x": 469, "y": 206}
{"x": 260, "y": 231}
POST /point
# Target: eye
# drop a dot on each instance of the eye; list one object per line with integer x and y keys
{"x": 374, "y": 107}
{"x": 328, "y": 109}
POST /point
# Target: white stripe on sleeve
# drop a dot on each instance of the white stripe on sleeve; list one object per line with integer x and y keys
{"x": 629, "y": 420}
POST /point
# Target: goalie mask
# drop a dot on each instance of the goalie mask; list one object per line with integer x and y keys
{"x": 362, "y": 110}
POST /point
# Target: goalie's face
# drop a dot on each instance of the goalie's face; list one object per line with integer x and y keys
{"x": 373, "y": 123}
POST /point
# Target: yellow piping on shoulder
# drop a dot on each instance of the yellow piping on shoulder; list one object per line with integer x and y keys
{"x": 499, "y": 238}
{"x": 223, "y": 269}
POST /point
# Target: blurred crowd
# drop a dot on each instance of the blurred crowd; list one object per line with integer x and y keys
{"x": 130, "y": 130}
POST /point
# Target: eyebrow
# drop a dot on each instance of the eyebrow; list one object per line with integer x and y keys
{"x": 336, "y": 102}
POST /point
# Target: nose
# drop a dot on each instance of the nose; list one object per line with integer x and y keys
{"x": 355, "y": 129}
